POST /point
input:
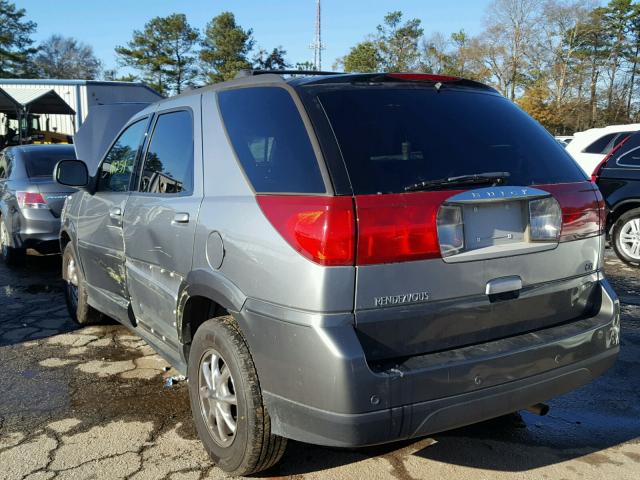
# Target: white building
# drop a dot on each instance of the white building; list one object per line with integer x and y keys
{"x": 81, "y": 95}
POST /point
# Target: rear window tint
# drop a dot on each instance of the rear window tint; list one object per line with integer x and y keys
{"x": 270, "y": 140}
{"x": 393, "y": 137}
{"x": 40, "y": 163}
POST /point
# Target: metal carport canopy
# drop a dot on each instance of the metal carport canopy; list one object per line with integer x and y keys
{"x": 8, "y": 103}
{"x": 33, "y": 100}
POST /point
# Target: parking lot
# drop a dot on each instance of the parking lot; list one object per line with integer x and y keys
{"x": 92, "y": 403}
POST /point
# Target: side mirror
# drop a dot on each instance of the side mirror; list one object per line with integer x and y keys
{"x": 72, "y": 173}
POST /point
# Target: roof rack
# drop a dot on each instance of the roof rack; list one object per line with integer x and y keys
{"x": 250, "y": 73}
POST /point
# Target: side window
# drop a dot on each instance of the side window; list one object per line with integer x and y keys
{"x": 270, "y": 140}
{"x": 630, "y": 159}
{"x": 616, "y": 140}
{"x": 116, "y": 168}
{"x": 168, "y": 165}
{"x": 3, "y": 167}
{"x": 600, "y": 145}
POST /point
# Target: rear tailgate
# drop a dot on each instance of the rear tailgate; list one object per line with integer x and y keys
{"x": 425, "y": 283}
{"x": 501, "y": 284}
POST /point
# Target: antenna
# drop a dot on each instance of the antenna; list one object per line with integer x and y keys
{"x": 317, "y": 44}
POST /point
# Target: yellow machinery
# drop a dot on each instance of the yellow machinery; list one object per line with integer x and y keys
{"x": 22, "y": 108}
{"x": 31, "y": 131}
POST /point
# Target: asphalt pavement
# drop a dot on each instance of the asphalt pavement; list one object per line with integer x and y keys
{"x": 93, "y": 403}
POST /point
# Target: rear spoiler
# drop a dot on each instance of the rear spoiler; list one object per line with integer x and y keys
{"x": 99, "y": 130}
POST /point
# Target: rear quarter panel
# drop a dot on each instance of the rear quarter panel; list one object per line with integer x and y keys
{"x": 256, "y": 258}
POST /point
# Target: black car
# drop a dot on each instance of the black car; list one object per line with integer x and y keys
{"x": 618, "y": 178}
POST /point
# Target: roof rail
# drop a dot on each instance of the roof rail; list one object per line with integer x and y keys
{"x": 250, "y": 73}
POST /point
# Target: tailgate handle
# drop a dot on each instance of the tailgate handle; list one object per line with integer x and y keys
{"x": 503, "y": 285}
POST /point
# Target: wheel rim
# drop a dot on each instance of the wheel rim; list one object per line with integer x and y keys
{"x": 4, "y": 238}
{"x": 218, "y": 402}
{"x": 72, "y": 283}
{"x": 629, "y": 238}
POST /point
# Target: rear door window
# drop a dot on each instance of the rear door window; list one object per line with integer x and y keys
{"x": 270, "y": 140}
{"x": 605, "y": 144}
{"x": 115, "y": 170}
{"x": 392, "y": 137}
{"x": 627, "y": 155}
{"x": 168, "y": 165}
{"x": 630, "y": 159}
{"x": 621, "y": 137}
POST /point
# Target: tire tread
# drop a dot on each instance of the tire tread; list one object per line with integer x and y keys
{"x": 270, "y": 448}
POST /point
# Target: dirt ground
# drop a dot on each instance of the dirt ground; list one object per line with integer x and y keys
{"x": 92, "y": 403}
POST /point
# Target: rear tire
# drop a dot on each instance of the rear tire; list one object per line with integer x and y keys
{"x": 75, "y": 290}
{"x": 11, "y": 256}
{"x": 242, "y": 442}
{"x": 625, "y": 237}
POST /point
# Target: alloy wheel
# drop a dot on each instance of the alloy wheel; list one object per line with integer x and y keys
{"x": 629, "y": 238}
{"x": 218, "y": 402}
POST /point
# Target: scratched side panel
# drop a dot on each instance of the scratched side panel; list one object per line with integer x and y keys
{"x": 158, "y": 249}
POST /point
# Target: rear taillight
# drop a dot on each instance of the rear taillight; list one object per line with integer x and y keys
{"x": 404, "y": 227}
{"x": 581, "y": 210}
{"x": 596, "y": 172}
{"x": 320, "y": 228}
{"x": 602, "y": 210}
{"x": 31, "y": 200}
{"x": 399, "y": 227}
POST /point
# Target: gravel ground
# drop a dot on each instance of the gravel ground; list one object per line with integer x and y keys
{"x": 92, "y": 403}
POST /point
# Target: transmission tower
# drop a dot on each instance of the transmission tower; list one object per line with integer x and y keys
{"x": 317, "y": 44}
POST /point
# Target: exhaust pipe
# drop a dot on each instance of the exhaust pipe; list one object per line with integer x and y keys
{"x": 539, "y": 409}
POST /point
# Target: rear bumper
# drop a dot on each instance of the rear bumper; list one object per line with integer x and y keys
{"x": 39, "y": 230}
{"x": 310, "y": 425}
{"x": 319, "y": 388}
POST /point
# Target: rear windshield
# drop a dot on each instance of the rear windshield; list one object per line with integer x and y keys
{"x": 393, "y": 137}
{"x": 40, "y": 163}
{"x": 270, "y": 140}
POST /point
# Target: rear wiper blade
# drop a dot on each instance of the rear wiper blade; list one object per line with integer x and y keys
{"x": 493, "y": 178}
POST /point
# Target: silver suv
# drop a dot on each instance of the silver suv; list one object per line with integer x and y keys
{"x": 344, "y": 260}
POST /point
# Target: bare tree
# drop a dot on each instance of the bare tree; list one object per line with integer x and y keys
{"x": 511, "y": 29}
{"x": 66, "y": 57}
{"x": 434, "y": 53}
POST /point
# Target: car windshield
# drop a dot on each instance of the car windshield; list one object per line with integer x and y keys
{"x": 394, "y": 136}
{"x": 40, "y": 162}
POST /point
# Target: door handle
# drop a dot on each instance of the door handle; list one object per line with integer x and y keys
{"x": 115, "y": 213}
{"x": 181, "y": 217}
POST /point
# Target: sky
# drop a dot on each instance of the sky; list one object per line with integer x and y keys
{"x": 104, "y": 24}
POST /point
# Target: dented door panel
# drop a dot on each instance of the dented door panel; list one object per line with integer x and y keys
{"x": 159, "y": 230}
